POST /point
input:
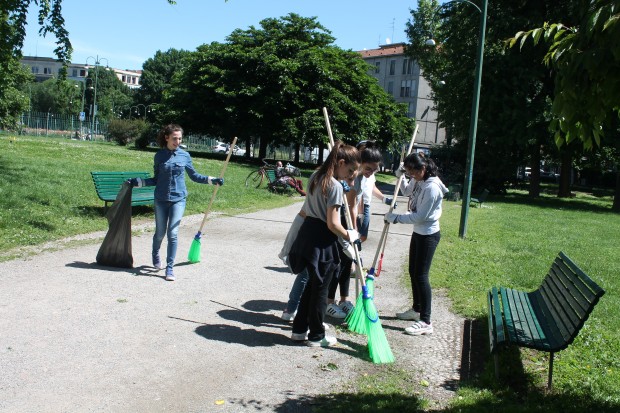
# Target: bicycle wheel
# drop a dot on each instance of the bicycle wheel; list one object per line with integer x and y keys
{"x": 255, "y": 178}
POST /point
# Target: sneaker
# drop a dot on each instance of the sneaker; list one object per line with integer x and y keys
{"x": 346, "y": 307}
{"x": 286, "y": 316}
{"x": 157, "y": 263}
{"x": 327, "y": 341}
{"x": 419, "y": 328}
{"x": 170, "y": 275}
{"x": 326, "y": 326}
{"x": 299, "y": 336}
{"x": 334, "y": 311}
{"x": 409, "y": 314}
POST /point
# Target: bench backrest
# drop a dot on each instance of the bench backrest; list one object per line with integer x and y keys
{"x": 271, "y": 175}
{"x": 566, "y": 297}
{"x": 107, "y": 184}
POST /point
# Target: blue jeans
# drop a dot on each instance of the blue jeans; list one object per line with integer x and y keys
{"x": 363, "y": 221}
{"x": 299, "y": 285}
{"x": 167, "y": 222}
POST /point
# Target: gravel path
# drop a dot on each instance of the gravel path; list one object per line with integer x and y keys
{"x": 77, "y": 337}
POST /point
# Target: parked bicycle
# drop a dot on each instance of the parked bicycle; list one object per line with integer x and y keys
{"x": 256, "y": 178}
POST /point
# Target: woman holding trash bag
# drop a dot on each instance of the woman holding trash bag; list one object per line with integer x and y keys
{"x": 315, "y": 248}
{"x": 170, "y": 164}
{"x": 426, "y": 192}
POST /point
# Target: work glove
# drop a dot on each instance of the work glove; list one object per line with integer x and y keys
{"x": 345, "y": 186}
{"x": 135, "y": 182}
{"x": 400, "y": 170}
{"x": 388, "y": 201}
{"x": 391, "y": 218}
{"x": 216, "y": 181}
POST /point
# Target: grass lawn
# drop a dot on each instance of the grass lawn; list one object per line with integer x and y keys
{"x": 47, "y": 194}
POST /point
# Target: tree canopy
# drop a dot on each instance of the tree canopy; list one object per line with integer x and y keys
{"x": 270, "y": 83}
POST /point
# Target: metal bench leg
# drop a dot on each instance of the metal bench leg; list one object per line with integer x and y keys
{"x": 550, "y": 371}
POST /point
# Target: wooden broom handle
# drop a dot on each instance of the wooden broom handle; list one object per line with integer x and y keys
{"x": 232, "y": 148}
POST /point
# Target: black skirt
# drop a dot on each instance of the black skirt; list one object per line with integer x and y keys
{"x": 315, "y": 248}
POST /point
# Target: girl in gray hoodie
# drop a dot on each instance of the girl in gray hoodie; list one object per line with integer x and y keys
{"x": 426, "y": 192}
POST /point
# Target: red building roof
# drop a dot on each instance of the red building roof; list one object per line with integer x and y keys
{"x": 384, "y": 50}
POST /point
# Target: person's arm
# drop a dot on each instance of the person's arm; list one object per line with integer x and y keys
{"x": 351, "y": 198}
{"x": 426, "y": 208}
{"x": 199, "y": 178}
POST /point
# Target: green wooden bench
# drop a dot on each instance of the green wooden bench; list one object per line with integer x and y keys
{"x": 547, "y": 319}
{"x": 108, "y": 184}
{"x": 274, "y": 184}
{"x": 481, "y": 198}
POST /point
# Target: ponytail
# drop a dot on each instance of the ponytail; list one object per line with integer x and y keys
{"x": 326, "y": 171}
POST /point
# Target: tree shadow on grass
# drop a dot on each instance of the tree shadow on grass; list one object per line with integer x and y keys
{"x": 554, "y": 203}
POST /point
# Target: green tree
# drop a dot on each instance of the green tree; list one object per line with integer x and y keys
{"x": 270, "y": 83}
{"x": 14, "y": 94}
{"x": 515, "y": 95}
{"x": 157, "y": 74}
{"x": 112, "y": 94}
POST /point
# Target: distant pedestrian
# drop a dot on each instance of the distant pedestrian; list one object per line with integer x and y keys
{"x": 170, "y": 164}
{"x": 316, "y": 247}
{"x": 425, "y": 192}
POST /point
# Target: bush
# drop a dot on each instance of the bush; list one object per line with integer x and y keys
{"x": 148, "y": 136}
{"x": 126, "y": 131}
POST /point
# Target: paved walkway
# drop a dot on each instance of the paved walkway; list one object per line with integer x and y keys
{"x": 77, "y": 337}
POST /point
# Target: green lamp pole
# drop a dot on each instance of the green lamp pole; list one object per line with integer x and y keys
{"x": 471, "y": 146}
{"x": 94, "y": 114}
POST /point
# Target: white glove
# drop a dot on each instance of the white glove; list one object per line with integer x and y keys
{"x": 353, "y": 235}
{"x": 391, "y": 218}
{"x": 400, "y": 170}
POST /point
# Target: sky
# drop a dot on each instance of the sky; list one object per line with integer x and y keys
{"x": 127, "y": 33}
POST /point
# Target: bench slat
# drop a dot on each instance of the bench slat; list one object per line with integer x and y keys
{"x": 526, "y": 330}
{"x": 560, "y": 298}
{"x": 547, "y": 321}
{"x": 109, "y": 183}
{"x": 496, "y": 322}
{"x": 578, "y": 283}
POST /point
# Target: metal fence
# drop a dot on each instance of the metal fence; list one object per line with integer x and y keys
{"x": 48, "y": 123}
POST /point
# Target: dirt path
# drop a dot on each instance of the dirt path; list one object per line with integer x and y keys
{"x": 76, "y": 337}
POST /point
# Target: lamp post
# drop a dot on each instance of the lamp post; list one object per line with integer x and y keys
{"x": 97, "y": 62}
{"x": 473, "y": 127}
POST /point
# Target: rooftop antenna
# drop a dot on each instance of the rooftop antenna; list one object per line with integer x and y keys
{"x": 393, "y": 20}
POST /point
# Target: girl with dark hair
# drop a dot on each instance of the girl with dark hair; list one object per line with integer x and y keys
{"x": 426, "y": 192}
{"x": 362, "y": 186}
{"x": 170, "y": 164}
{"x": 315, "y": 249}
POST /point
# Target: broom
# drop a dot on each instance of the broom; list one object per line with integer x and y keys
{"x": 194, "y": 251}
{"x": 378, "y": 346}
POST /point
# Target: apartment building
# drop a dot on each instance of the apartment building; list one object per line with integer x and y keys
{"x": 401, "y": 77}
{"x": 44, "y": 68}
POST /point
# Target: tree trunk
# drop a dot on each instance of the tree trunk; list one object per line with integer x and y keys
{"x": 262, "y": 150}
{"x": 534, "y": 191}
{"x": 616, "y": 204}
{"x": 320, "y": 158}
{"x": 565, "y": 173}
{"x": 297, "y": 149}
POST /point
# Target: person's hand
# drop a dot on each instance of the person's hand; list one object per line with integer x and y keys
{"x": 345, "y": 186}
{"x": 216, "y": 181}
{"x": 388, "y": 201}
{"x": 400, "y": 170}
{"x": 353, "y": 235}
{"x": 391, "y": 218}
{"x": 135, "y": 182}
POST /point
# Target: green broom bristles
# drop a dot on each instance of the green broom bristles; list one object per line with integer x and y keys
{"x": 378, "y": 346}
{"x": 194, "y": 250}
{"x": 356, "y": 319}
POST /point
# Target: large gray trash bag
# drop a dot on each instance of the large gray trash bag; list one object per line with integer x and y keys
{"x": 115, "y": 251}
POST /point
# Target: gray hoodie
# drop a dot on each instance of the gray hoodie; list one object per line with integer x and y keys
{"x": 424, "y": 204}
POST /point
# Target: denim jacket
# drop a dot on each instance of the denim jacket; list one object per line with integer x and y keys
{"x": 169, "y": 177}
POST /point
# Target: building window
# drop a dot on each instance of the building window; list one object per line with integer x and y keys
{"x": 47, "y": 71}
{"x": 405, "y": 88}
{"x": 35, "y": 69}
{"x": 411, "y": 110}
{"x": 82, "y": 72}
{"x": 377, "y": 67}
{"x": 390, "y": 88}
{"x": 392, "y": 67}
{"x": 407, "y": 66}
{"x": 74, "y": 72}
{"x": 124, "y": 79}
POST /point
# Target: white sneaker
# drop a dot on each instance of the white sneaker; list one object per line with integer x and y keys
{"x": 327, "y": 341}
{"x": 326, "y": 326}
{"x": 409, "y": 314}
{"x": 334, "y": 311}
{"x": 286, "y": 316}
{"x": 299, "y": 336}
{"x": 346, "y": 306}
{"x": 419, "y": 328}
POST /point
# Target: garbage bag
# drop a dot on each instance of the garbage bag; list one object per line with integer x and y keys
{"x": 115, "y": 251}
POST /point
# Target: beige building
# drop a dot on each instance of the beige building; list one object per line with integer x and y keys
{"x": 44, "y": 68}
{"x": 401, "y": 77}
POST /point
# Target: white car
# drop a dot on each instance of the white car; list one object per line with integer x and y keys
{"x": 221, "y": 147}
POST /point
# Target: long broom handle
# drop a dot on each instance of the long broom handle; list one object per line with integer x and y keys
{"x": 386, "y": 226}
{"x": 347, "y": 213}
{"x": 204, "y": 219}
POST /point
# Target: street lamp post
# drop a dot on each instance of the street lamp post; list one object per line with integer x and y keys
{"x": 97, "y": 61}
{"x": 473, "y": 127}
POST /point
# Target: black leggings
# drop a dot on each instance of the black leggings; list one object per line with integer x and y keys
{"x": 421, "y": 251}
{"x": 343, "y": 279}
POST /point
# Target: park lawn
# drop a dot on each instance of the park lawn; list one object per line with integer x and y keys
{"x": 47, "y": 192}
